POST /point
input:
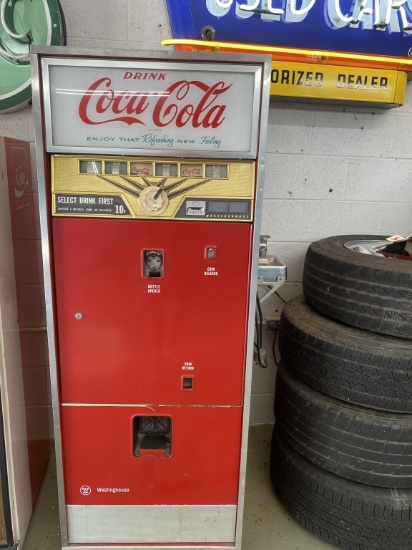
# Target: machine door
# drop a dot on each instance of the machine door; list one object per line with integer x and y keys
{"x": 151, "y": 311}
{"x": 199, "y": 466}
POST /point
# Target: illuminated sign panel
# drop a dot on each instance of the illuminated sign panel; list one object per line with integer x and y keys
{"x": 381, "y": 27}
{"x": 140, "y": 106}
{"x": 311, "y": 81}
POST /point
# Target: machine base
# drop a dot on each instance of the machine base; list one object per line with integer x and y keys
{"x": 151, "y": 524}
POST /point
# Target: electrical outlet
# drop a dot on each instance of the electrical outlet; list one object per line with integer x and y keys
{"x": 270, "y": 322}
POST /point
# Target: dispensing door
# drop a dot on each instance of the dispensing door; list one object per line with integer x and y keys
{"x": 152, "y": 197}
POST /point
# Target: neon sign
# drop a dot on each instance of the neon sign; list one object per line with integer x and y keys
{"x": 366, "y": 26}
{"x": 23, "y": 24}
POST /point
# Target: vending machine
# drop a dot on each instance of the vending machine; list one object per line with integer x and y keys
{"x": 151, "y": 171}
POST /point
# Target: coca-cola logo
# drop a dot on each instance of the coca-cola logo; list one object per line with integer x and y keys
{"x": 195, "y": 172}
{"x": 21, "y": 182}
{"x": 141, "y": 171}
{"x": 184, "y": 103}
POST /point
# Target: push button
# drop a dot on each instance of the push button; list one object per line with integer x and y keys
{"x": 211, "y": 252}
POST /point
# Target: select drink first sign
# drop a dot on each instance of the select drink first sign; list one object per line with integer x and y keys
{"x": 90, "y": 205}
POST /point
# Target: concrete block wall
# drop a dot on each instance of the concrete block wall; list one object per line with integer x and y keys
{"x": 328, "y": 172}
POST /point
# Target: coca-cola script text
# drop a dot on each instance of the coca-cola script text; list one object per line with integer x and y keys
{"x": 184, "y": 103}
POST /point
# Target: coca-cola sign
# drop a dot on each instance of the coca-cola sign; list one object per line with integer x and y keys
{"x": 101, "y": 104}
{"x": 198, "y": 108}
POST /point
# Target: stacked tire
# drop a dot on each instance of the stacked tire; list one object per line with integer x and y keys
{"x": 341, "y": 456}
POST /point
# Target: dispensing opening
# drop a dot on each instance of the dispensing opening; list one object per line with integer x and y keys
{"x": 152, "y": 436}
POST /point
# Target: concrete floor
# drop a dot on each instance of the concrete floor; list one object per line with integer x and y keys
{"x": 267, "y": 525}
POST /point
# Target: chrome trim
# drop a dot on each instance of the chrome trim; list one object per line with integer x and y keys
{"x": 45, "y": 245}
{"x": 260, "y": 178}
{"x": 152, "y": 547}
{"x": 151, "y": 524}
{"x": 177, "y": 62}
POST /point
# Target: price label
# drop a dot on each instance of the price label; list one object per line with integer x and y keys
{"x": 89, "y": 205}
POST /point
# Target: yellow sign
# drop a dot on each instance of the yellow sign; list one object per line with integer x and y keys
{"x": 341, "y": 84}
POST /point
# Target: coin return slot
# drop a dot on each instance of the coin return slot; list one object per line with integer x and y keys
{"x": 152, "y": 436}
{"x": 187, "y": 382}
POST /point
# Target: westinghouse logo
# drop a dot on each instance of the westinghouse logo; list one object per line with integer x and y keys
{"x": 113, "y": 490}
{"x": 85, "y": 490}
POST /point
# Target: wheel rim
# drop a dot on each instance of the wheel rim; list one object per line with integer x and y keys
{"x": 387, "y": 249}
{"x": 367, "y": 247}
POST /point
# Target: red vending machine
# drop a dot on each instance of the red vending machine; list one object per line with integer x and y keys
{"x": 150, "y": 181}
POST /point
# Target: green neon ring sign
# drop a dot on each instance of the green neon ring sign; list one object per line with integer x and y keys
{"x": 23, "y": 23}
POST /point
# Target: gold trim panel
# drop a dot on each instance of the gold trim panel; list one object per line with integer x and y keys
{"x": 152, "y": 188}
